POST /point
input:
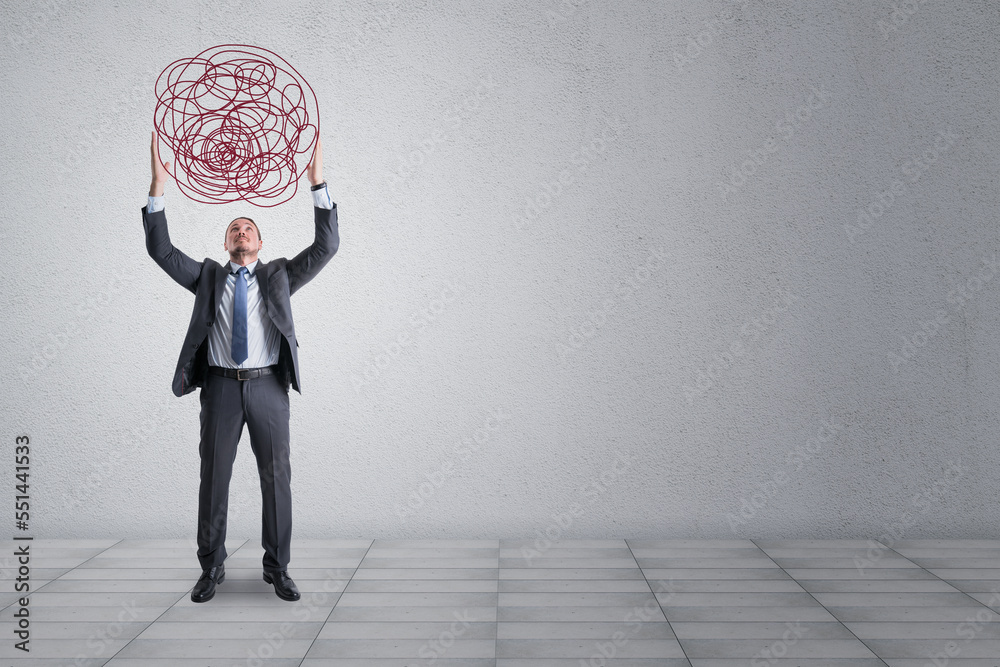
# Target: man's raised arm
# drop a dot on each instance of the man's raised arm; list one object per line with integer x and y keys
{"x": 303, "y": 267}
{"x": 178, "y": 266}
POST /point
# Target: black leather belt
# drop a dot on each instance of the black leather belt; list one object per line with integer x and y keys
{"x": 242, "y": 373}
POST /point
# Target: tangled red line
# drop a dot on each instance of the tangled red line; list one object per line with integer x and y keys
{"x": 238, "y": 122}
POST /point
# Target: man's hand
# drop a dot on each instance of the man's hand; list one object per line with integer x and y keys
{"x": 160, "y": 171}
{"x": 315, "y": 170}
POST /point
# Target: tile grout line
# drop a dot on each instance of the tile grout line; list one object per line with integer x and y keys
{"x": 669, "y": 624}
{"x": 809, "y": 593}
{"x": 957, "y": 590}
{"x": 151, "y": 623}
{"x": 105, "y": 551}
{"x": 327, "y": 620}
{"x": 30, "y": 593}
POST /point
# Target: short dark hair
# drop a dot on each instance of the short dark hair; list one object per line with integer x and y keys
{"x": 243, "y": 217}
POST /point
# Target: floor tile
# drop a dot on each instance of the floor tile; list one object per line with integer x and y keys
{"x": 520, "y": 603}
{"x": 430, "y": 650}
{"x": 337, "y": 629}
{"x": 585, "y": 649}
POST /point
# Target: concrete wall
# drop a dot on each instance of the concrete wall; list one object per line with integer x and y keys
{"x": 708, "y": 270}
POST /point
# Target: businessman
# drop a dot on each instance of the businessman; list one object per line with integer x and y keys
{"x": 241, "y": 350}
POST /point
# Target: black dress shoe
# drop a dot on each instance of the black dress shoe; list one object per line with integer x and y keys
{"x": 284, "y": 587}
{"x": 204, "y": 590}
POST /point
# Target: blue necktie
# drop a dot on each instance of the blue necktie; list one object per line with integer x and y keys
{"x": 239, "y": 350}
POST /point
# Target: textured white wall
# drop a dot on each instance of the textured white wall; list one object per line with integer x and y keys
{"x": 619, "y": 241}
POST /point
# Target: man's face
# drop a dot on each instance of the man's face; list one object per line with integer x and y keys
{"x": 241, "y": 238}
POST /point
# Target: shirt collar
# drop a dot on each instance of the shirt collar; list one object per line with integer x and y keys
{"x": 251, "y": 267}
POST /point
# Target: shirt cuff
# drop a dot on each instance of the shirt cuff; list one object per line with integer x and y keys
{"x": 321, "y": 198}
{"x": 155, "y": 204}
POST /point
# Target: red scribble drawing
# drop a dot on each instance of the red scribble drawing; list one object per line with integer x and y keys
{"x": 241, "y": 122}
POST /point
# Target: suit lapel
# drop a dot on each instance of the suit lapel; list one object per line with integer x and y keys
{"x": 220, "y": 285}
{"x": 262, "y": 274}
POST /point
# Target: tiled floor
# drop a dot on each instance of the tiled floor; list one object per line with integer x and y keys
{"x": 512, "y": 603}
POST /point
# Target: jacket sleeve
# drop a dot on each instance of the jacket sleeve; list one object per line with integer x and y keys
{"x": 178, "y": 266}
{"x": 303, "y": 267}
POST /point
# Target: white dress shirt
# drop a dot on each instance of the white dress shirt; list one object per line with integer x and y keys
{"x": 263, "y": 338}
{"x": 321, "y": 199}
{"x": 263, "y": 343}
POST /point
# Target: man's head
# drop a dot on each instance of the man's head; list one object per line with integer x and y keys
{"x": 242, "y": 240}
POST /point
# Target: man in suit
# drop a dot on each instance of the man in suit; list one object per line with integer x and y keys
{"x": 241, "y": 349}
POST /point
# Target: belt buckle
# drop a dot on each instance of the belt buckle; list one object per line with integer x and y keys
{"x": 240, "y": 371}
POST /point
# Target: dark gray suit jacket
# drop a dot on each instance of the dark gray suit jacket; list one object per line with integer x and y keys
{"x": 277, "y": 280}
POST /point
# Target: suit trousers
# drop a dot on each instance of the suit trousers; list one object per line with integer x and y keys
{"x": 226, "y": 405}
